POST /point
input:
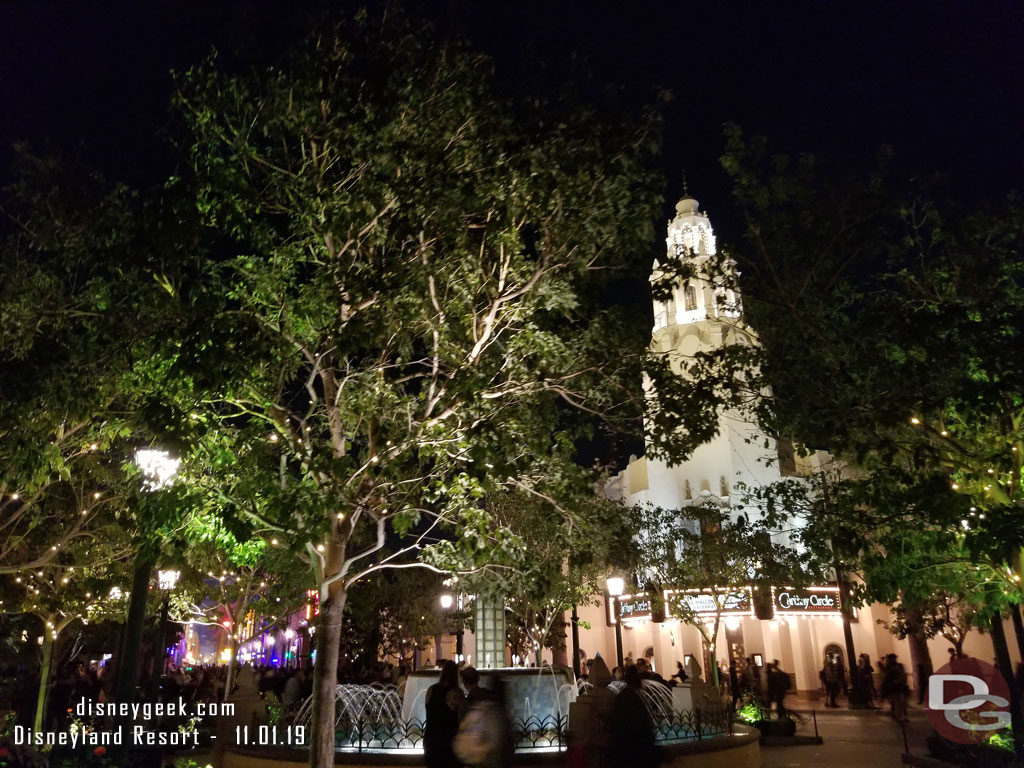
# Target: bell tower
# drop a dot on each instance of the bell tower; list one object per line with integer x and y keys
{"x": 700, "y": 314}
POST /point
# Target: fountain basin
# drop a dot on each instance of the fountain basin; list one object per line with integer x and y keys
{"x": 738, "y": 750}
{"x": 543, "y": 693}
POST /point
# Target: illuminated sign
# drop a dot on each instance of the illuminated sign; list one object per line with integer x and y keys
{"x": 631, "y": 608}
{"x": 734, "y": 602}
{"x": 811, "y": 600}
{"x": 637, "y": 608}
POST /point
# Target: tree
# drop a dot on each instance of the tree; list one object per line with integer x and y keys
{"x": 945, "y": 614}
{"x": 392, "y": 614}
{"x": 702, "y": 549}
{"x": 409, "y": 264}
{"x": 83, "y": 584}
{"x": 883, "y": 320}
{"x": 886, "y": 536}
{"x": 71, "y": 322}
{"x": 559, "y": 562}
{"x": 228, "y": 578}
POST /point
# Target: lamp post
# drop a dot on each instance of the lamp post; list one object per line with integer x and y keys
{"x": 158, "y": 468}
{"x": 447, "y": 601}
{"x": 615, "y": 586}
{"x": 166, "y": 581}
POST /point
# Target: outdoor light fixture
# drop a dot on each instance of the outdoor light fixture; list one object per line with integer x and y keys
{"x": 158, "y": 467}
{"x": 167, "y": 579}
{"x": 447, "y": 602}
{"x": 616, "y": 586}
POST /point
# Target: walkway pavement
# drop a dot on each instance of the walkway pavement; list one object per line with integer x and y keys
{"x": 853, "y": 739}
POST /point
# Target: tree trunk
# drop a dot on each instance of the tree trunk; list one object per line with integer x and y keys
{"x": 559, "y": 652}
{"x": 159, "y": 651}
{"x": 1002, "y": 653}
{"x": 325, "y": 677}
{"x": 575, "y": 641}
{"x": 920, "y": 656}
{"x": 229, "y": 681}
{"x": 1018, "y": 629}
{"x": 858, "y": 696}
{"x": 128, "y": 668}
{"x": 45, "y": 670}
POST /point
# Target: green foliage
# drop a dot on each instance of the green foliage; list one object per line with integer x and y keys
{"x": 409, "y": 293}
{"x": 883, "y": 321}
{"x": 556, "y": 560}
{"x": 703, "y": 548}
{"x": 402, "y": 307}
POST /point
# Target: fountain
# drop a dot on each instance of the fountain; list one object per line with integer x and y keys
{"x": 529, "y": 692}
{"x": 358, "y": 703}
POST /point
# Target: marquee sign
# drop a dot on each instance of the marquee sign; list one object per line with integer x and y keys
{"x": 735, "y": 602}
{"x": 631, "y": 608}
{"x": 807, "y": 601}
{"x": 637, "y": 607}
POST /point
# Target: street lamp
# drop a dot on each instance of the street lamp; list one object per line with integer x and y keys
{"x": 447, "y": 601}
{"x": 166, "y": 581}
{"x": 158, "y": 469}
{"x": 616, "y": 586}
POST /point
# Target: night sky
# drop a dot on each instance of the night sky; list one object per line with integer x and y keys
{"x": 940, "y": 81}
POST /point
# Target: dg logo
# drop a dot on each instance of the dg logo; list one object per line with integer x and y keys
{"x": 967, "y": 698}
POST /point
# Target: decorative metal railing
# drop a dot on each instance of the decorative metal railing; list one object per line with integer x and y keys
{"x": 694, "y": 725}
{"x": 369, "y": 734}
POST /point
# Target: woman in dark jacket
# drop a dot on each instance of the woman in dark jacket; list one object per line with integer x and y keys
{"x": 443, "y": 701}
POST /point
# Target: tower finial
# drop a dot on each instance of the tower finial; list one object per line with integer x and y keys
{"x": 686, "y": 190}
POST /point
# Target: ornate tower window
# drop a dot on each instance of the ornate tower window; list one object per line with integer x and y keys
{"x": 690, "y": 297}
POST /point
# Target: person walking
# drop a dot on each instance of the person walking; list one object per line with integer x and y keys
{"x": 444, "y": 698}
{"x": 778, "y": 686}
{"x": 866, "y": 678}
{"x": 895, "y": 688}
{"x": 734, "y": 682}
{"x": 830, "y": 681}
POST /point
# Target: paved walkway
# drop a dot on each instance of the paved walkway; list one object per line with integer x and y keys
{"x": 853, "y": 739}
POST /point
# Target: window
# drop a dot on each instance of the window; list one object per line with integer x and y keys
{"x": 690, "y": 297}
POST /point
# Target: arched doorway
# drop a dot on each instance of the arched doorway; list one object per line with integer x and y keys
{"x": 834, "y": 655}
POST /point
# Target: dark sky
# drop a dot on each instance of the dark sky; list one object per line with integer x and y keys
{"x": 941, "y": 81}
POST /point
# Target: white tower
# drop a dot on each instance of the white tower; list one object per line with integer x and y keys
{"x": 702, "y": 314}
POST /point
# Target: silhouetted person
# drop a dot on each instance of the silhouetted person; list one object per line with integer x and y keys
{"x": 631, "y": 733}
{"x": 444, "y": 698}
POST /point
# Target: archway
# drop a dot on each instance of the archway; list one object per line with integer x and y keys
{"x": 834, "y": 655}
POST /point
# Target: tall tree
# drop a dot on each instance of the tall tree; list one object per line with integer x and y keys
{"x": 703, "y": 550}
{"x": 560, "y": 561}
{"x": 410, "y": 265}
{"x": 883, "y": 322}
